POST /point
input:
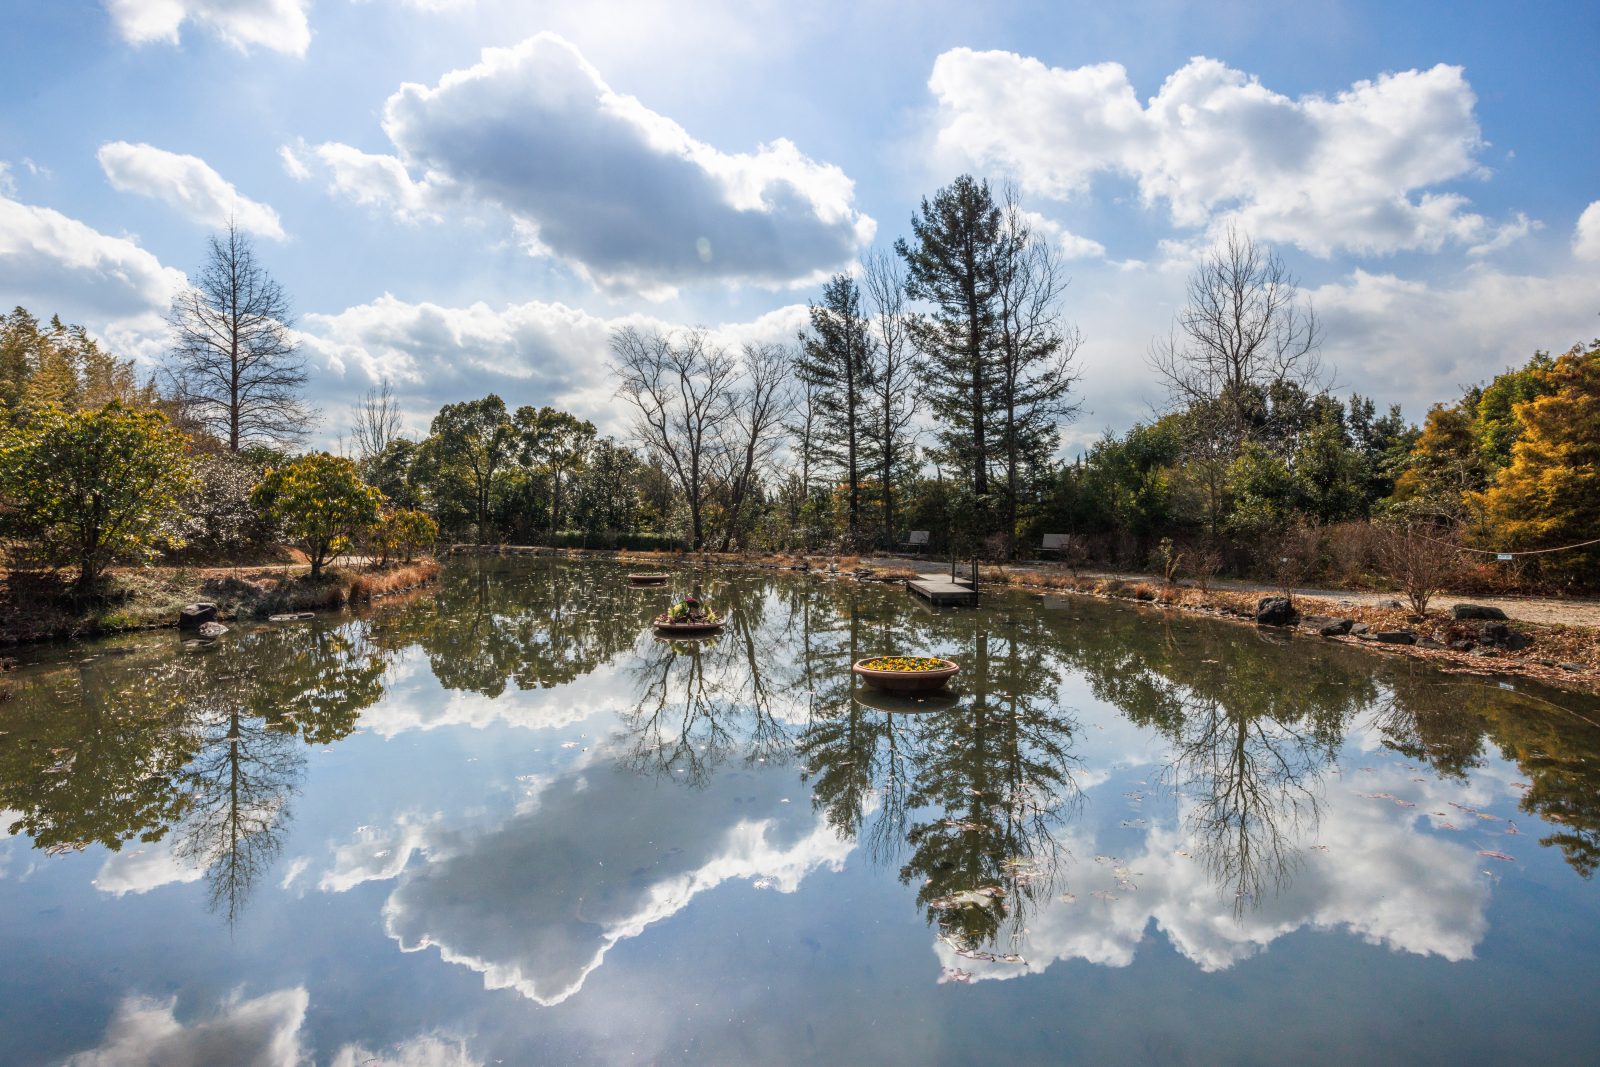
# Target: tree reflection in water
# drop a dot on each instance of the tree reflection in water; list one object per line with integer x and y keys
{"x": 208, "y": 747}
{"x": 969, "y": 802}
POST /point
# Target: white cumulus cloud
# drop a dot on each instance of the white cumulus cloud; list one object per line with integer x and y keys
{"x": 279, "y": 25}
{"x": 261, "y": 1032}
{"x": 1359, "y": 171}
{"x": 1586, "y": 239}
{"x": 186, "y": 183}
{"x": 368, "y": 178}
{"x": 624, "y": 194}
{"x": 54, "y": 264}
{"x": 532, "y": 353}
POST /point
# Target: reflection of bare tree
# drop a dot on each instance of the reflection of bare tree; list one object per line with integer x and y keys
{"x": 700, "y": 703}
{"x": 238, "y": 786}
{"x": 1249, "y": 779}
{"x": 674, "y": 727}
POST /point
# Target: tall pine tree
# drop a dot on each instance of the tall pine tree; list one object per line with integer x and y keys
{"x": 836, "y": 358}
{"x": 951, "y": 264}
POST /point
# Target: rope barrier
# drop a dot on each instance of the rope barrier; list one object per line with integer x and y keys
{"x": 1526, "y": 552}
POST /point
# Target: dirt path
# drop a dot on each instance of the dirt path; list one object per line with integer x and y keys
{"x": 1526, "y": 609}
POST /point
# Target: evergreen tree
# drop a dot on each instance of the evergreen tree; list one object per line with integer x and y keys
{"x": 951, "y": 264}
{"x": 836, "y": 359}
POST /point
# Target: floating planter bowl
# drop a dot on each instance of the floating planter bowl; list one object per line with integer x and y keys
{"x": 906, "y": 674}
{"x": 648, "y": 579}
{"x": 686, "y": 629}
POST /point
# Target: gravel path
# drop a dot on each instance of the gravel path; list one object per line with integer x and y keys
{"x": 1526, "y": 608}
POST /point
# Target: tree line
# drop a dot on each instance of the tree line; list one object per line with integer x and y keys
{"x": 927, "y": 391}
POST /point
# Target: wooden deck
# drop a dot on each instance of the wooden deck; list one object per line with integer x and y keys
{"x": 941, "y": 591}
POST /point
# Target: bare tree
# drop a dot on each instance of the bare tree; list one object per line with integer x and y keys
{"x": 895, "y": 398}
{"x": 682, "y": 388}
{"x": 234, "y": 366}
{"x": 1245, "y": 329}
{"x": 375, "y": 421}
{"x": 753, "y": 429}
{"x": 1035, "y": 366}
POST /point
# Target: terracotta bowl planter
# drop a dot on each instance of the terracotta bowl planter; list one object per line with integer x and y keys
{"x": 687, "y": 629}
{"x": 906, "y": 681}
{"x": 648, "y": 579}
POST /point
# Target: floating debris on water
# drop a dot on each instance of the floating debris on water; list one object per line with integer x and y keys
{"x": 1493, "y": 855}
{"x": 982, "y": 897}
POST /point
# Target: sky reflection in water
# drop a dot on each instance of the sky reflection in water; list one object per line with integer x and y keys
{"x": 502, "y": 822}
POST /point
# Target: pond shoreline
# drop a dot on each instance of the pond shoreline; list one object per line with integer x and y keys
{"x": 151, "y": 598}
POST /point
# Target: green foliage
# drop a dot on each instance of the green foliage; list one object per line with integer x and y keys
{"x": 96, "y": 485}
{"x": 402, "y": 534}
{"x": 320, "y": 501}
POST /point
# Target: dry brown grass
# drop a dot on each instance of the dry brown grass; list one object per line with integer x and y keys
{"x": 396, "y": 578}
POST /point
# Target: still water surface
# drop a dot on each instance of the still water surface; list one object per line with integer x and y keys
{"x": 501, "y": 823}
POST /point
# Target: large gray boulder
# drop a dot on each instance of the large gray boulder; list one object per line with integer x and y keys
{"x": 194, "y": 616}
{"x": 1473, "y": 612}
{"x": 1276, "y": 611}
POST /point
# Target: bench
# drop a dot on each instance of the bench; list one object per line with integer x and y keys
{"x": 917, "y": 539}
{"x": 1056, "y": 543}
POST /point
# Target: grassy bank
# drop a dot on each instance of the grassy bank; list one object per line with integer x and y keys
{"x": 40, "y": 606}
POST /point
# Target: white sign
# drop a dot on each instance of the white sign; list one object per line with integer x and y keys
{"x": 1503, "y": 557}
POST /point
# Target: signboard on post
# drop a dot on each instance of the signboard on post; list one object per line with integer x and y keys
{"x": 1503, "y": 557}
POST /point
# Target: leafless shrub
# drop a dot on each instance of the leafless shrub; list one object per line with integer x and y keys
{"x": 1419, "y": 558}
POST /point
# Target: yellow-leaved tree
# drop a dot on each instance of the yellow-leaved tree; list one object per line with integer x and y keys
{"x": 320, "y": 501}
{"x": 1549, "y": 495}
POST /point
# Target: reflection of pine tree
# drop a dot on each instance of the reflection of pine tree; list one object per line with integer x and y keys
{"x": 995, "y": 774}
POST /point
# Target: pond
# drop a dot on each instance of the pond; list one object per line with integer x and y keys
{"x": 500, "y": 822}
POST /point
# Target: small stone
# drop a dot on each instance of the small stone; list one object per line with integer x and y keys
{"x": 1568, "y": 665}
{"x": 1359, "y": 628}
{"x": 210, "y": 631}
{"x": 1390, "y": 604}
{"x": 1476, "y": 612}
{"x": 1326, "y": 625}
{"x": 1394, "y": 637}
{"x": 1428, "y": 642}
{"x": 1462, "y": 645}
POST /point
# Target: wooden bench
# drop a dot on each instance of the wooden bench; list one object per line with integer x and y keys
{"x": 1056, "y": 543}
{"x": 917, "y": 539}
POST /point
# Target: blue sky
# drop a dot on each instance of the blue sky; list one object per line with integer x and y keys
{"x": 467, "y": 195}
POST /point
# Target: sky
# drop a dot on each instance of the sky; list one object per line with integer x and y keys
{"x": 466, "y": 196}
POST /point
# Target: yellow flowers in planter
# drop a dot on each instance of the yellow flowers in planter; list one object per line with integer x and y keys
{"x": 905, "y": 664}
